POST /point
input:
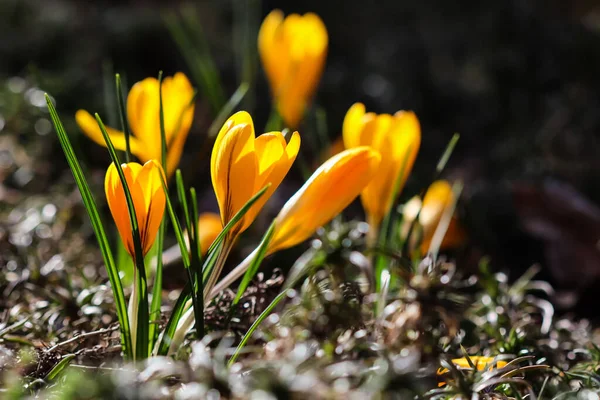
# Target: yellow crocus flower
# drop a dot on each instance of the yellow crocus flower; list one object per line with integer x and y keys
{"x": 144, "y": 183}
{"x": 480, "y": 362}
{"x": 397, "y": 138}
{"x": 334, "y": 185}
{"x": 143, "y": 106}
{"x": 242, "y": 164}
{"x": 293, "y": 52}
{"x": 439, "y": 195}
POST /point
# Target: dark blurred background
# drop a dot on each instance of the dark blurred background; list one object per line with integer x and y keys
{"x": 518, "y": 79}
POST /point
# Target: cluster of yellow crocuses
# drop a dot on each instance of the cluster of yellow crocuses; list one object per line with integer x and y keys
{"x": 380, "y": 149}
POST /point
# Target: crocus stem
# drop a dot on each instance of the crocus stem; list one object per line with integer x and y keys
{"x": 231, "y": 277}
{"x": 132, "y": 310}
{"x": 373, "y": 233}
{"x": 216, "y": 272}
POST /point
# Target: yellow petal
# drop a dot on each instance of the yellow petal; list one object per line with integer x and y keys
{"x": 115, "y": 198}
{"x": 239, "y": 118}
{"x": 234, "y": 170}
{"x": 143, "y": 113}
{"x": 323, "y": 196}
{"x": 352, "y": 126}
{"x": 266, "y": 46}
{"x": 88, "y": 124}
{"x": 149, "y": 182}
{"x": 276, "y": 159}
{"x": 179, "y": 114}
{"x": 148, "y": 199}
{"x": 209, "y": 227}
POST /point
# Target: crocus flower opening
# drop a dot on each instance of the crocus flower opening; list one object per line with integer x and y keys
{"x": 143, "y": 104}
{"x": 439, "y": 195}
{"x": 144, "y": 183}
{"x": 293, "y": 52}
{"x": 397, "y": 138}
{"x": 334, "y": 185}
{"x": 242, "y": 164}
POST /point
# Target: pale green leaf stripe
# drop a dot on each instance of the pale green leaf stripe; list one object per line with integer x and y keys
{"x": 255, "y": 325}
{"x": 92, "y": 209}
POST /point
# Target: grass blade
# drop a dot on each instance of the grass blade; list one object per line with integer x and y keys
{"x": 123, "y": 116}
{"x": 176, "y": 314}
{"x": 197, "y": 56}
{"x": 60, "y": 367}
{"x": 92, "y": 210}
{"x": 255, "y": 325}
{"x": 235, "y": 99}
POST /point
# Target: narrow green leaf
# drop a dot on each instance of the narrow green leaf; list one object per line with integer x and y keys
{"x": 143, "y": 318}
{"x": 246, "y": 24}
{"x": 195, "y": 225}
{"x": 194, "y": 269}
{"x": 256, "y": 261}
{"x": 446, "y": 154}
{"x": 177, "y": 228}
{"x": 176, "y": 314}
{"x": 92, "y": 210}
{"x": 196, "y": 252}
{"x": 108, "y": 92}
{"x": 59, "y": 367}
{"x": 197, "y": 56}
{"x": 255, "y": 325}
{"x": 381, "y": 262}
{"x": 238, "y": 216}
{"x": 157, "y": 287}
{"x": 158, "y": 278}
{"x": 183, "y": 200}
{"x": 123, "y": 116}
{"x": 227, "y": 109}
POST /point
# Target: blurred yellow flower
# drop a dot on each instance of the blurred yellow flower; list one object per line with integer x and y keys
{"x": 480, "y": 362}
{"x": 293, "y": 52}
{"x": 326, "y": 193}
{"x": 143, "y": 106}
{"x": 209, "y": 227}
{"x": 397, "y": 138}
{"x": 148, "y": 197}
{"x": 438, "y": 197}
{"x": 242, "y": 164}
